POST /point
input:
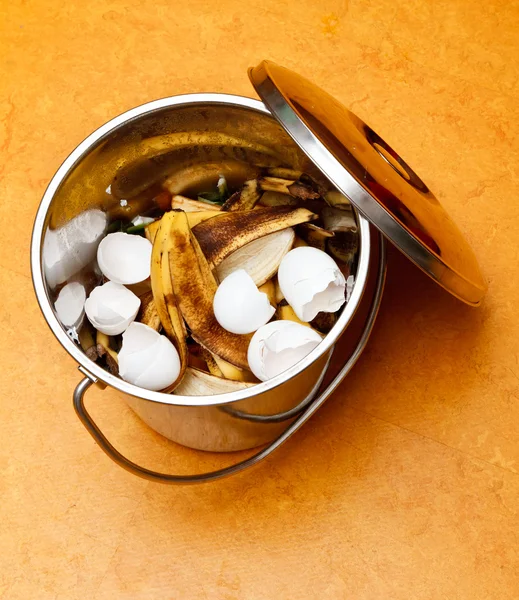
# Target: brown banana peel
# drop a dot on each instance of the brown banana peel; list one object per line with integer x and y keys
{"x": 163, "y": 295}
{"x": 193, "y": 218}
{"x": 218, "y": 238}
{"x": 194, "y": 286}
{"x": 204, "y": 176}
{"x": 313, "y": 235}
{"x": 87, "y": 342}
{"x": 277, "y": 199}
{"x": 148, "y": 314}
{"x": 244, "y": 199}
{"x": 210, "y": 361}
{"x": 284, "y": 173}
{"x": 296, "y": 189}
{"x": 104, "y": 350}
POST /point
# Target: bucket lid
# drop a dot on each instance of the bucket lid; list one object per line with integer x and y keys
{"x": 377, "y": 181}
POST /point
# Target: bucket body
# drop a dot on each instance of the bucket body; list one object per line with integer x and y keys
{"x": 141, "y": 146}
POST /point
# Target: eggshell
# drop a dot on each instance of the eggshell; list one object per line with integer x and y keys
{"x": 124, "y": 258}
{"x": 311, "y": 282}
{"x": 238, "y": 305}
{"x": 140, "y": 220}
{"x": 111, "y": 308}
{"x": 147, "y": 358}
{"x": 70, "y": 248}
{"x": 70, "y": 304}
{"x": 279, "y": 345}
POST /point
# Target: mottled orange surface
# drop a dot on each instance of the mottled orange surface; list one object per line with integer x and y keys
{"x": 405, "y": 485}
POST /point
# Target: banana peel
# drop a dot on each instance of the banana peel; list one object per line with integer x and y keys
{"x": 187, "y": 205}
{"x": 284, "y": 173}
{"x": 314, "y": 235}
{"x": 150, "y": 231}
{"x": 140, "y": 289}
{"x": 210, "y": 361}
{"x": 323, "y": 322}
{"x": 279, "y": 294}
{"x": 221, "y": 368}
{"x": 161, "y": 144}
{"x": 164, "y": 297}
{"x": 87, "y": 342}
{"x": 192, "y": 179}
{"x": 231, "y": 372}
{"x": 196, "y": 358}
{"x": 341, "y": 221}
{"x": 297, "y": 189}
{"x": 277, "y": 199}
{"x": 194, "y": 287}
{"x": 260, "y": 258}
{"x": 218, "y": 238}
{"x": 244, "y": 199}
{"x": 104, "y": 349}
{"x": 337, "y": 200}
{"x": 193, "y": 219}
{"x": 285, "y": 312}
{"x": 269, "y": 288}
{"x": 199, "y": 383}
{"x": 148, "y": 314}
{"x": 298, "y": 242}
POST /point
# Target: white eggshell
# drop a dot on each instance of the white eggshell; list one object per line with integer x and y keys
{"x": 124, "y": 258}
{"x": 106, "y": 315}
{"x": 147, "y": 358}
{"x": 70, "y": 248}
{"x": 111, "y": 308}
{"x": 239, "y": 306}
{"x": 279, "y": 345}
{"x": 140, "y": 220}
{"x": 70, "y": 304}
{"x": 311, "y": 282}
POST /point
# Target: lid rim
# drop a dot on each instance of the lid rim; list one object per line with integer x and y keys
{"x": 424, "y": 258}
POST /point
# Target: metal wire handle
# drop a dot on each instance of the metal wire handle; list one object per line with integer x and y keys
{"x": 287, "y": 414}
{"x": 121, "y": 460}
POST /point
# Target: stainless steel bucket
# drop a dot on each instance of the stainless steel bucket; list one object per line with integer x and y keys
{"x": 233, "y": 421}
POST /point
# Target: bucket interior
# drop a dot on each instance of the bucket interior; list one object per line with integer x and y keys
{"x": 117, "y": 166}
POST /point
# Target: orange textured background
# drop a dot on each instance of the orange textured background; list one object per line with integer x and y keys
{"x": 405, "y": 485}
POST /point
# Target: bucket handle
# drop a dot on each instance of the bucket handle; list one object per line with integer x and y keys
{"x": 287, "y": 414}
{"x": 126, "y": 463}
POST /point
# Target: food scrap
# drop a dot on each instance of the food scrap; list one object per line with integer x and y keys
{"x": 204, "y": 286}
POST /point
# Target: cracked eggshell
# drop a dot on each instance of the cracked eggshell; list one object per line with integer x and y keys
{"x": 124, "y": 258}
{"x": 147, "y": 358}
{"x": 70, "y": 304}
{"x": 311, "y": 282}
{"x": 111, "y": 308}
{"x": 279, "y": 345}
{"x": 70, "y": 248}
{"x": 239, "y": 307}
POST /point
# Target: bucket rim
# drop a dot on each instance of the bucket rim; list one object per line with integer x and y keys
{"x": 95, "y": 371}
